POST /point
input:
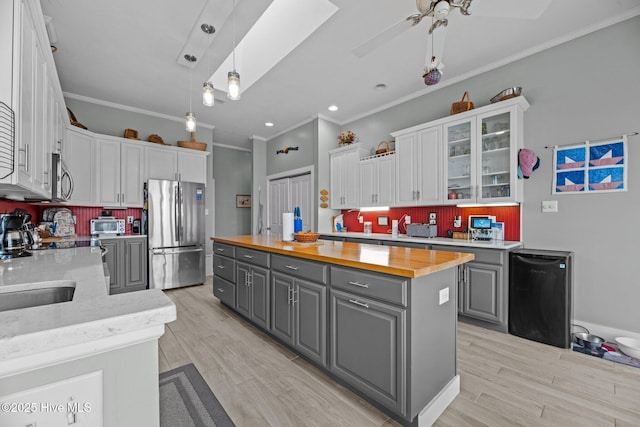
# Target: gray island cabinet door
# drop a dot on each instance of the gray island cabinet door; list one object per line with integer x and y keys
{"x": 368, "y": 347}
{"x": 242, "y": 289}
{"x": 310, "y": 320}
{"x": 483, "y": 292}
{"x": 259, "y": 299}
{"x": 282, "y": 313}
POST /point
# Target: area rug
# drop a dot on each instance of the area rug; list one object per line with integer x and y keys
{"x": 187, "y": 401}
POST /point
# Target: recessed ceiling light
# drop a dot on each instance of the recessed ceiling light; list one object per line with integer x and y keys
{"x": 333, "y": 108}
{"x": 269, "y": 124}
{"x": 380, "y": 86}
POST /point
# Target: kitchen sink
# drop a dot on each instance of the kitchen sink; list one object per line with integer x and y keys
{"x": 36, "y": 294}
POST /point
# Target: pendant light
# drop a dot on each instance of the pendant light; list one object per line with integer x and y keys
{"x": 190, "y": 118}
{"x": 233, "y": 92}
{"x": 207, "y": 87}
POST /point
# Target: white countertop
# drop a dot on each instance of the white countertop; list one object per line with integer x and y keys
{"x": 39, "y": 333}
{"x": 494, "y": 244}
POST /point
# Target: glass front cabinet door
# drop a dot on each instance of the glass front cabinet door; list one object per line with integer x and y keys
{"x": 482, "y": 157}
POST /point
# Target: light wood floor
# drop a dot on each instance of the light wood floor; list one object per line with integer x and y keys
{"x": 505, "y": 380}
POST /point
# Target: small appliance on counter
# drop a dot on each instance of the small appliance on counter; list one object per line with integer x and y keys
{"x": 422, "y": 230}
{"x": 12, "y": 242}
{"x": 480, "y": 227}
{"x": 104, "y": 226}
{"x": 136, "y": 227}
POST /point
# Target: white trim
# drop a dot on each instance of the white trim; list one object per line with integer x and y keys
{"x": 606, "y": 332}
{"x": 232, "y": 147}
{"x": 439, "y": 404}
{"x": 290, "y": 173}
{"x": 131, "y": 109}
{"x": 289, "y": 129}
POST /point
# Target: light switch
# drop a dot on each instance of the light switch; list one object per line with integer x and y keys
{"x": 549, "y": 206}
{"x": 444, "y": 296}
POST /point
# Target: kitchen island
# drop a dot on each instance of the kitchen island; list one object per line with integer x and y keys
{"x": 379, "y": 319}
{"x": 97, "y": 349}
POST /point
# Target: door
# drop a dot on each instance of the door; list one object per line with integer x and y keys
{"x": 79, "y": 157}
{"x": 175, "y": 267}
{"x": 300, "y": 190}
{"x": 287, "y": 193}
{"x": 163, "y": 212}
{"x": 309, "y": 304}
{"x": 368, "y": 348}
{"x": 259, "y": 288}
{"x": 429, "y": 166}
{"x": 281, "y": 313}
{"x": 108, "y": 172}
{"x": 278, "y": 203}
{"x": 113, "y": 262}
{"x": 386, "y": 179}
{"x": 161, "y": 163}
{"x": 407, "y": 153}
{"x": 482, "y": 294}
{"x": 243, "y": 304}
{"x": 135, "y": 264}
{"x": 131, "y": 175}
{"x": 460, "y": 166}
{"x": 191, "y": 214}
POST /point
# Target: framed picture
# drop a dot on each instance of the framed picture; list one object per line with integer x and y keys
{"x": 243, "y": 201}
{"x": 383, "y": 220}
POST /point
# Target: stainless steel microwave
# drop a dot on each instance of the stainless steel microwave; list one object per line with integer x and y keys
{"x": 107, "y": 226}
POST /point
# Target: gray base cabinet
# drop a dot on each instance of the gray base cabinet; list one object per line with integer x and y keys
{"x": 252, "y": 293}
{"x": 482, "y": 287}
{"x": 298, "y": 315}
{"x": 127, "y": 262}
{"x": 368, "y": 347}
{"x": 388, "y": 338}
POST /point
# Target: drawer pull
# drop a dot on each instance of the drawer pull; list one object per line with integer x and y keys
{"x": 362, "y": 285}
{"x": 221, "y": 267}
{"x": 361, "y": 304}
{"x": 248, "y": 256}
{"x": 292, "y": 267}
{"x": 220, "y": 250}
{"x": 221, "y": 290}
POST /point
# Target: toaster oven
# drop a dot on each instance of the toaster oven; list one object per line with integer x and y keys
{"x": 110, "y": 226}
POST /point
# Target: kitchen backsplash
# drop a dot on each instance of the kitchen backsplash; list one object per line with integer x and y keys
{"x": 83, "y": 214}
{"x": 510, "y": 215}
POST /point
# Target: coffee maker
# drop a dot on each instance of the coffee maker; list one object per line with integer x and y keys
{"x": 12, "y": 242}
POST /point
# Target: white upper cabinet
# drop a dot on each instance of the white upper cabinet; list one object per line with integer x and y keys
{"x": 471, "y": 157}
{"x": 419, "y": 167}
{"x": 481, "y": 157}
{"x": 79, "y": 156}
{"x": 378, "y": 181}
{"x": 344, "y": 164}
{"x": 192, "y": 166}
{"x": 119, "y": 173}
{"x": 161, "y": 163}
{"x": 30, "y": 88}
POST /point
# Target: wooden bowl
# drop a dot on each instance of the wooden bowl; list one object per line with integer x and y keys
{"x": 306, "y": 237}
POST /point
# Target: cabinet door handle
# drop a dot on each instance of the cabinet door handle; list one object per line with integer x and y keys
{"x": 249, "y": 279}
{"x": 361, "y": 304}
{"x": 221, "y": 267}
{"x": 248, "y": 256}
{"x": 292, "y": 267}
{"x": 418, "y": 193}
{"x": 220, "y": 249}
{"x": 46, "y": 174}
{"x": 221, "y": 290}
{"x": 118, "y": 197}
{"x": 362, "y": 285}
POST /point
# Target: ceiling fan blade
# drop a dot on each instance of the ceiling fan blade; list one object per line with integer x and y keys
{"x": 386, "y": 35}
{"x": 519, "y": 9}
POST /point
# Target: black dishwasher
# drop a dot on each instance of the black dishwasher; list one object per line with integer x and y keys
{"x": 540, "y": 306}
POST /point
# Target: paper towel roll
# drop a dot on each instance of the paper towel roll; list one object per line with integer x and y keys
{"x": 287, "y": 226}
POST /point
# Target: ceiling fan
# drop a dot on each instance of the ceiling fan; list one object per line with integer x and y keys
{"x": 439, "y": 11}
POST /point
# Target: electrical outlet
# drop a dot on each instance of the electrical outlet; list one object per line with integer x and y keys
{"x": 130, "y": 219}
{"x": 407, "y": 220}
{"x": 360, "y": 219}
{"x": 549, "y": 206}
{"x": 444, "y": 296}
{"x": 75, "y": 220}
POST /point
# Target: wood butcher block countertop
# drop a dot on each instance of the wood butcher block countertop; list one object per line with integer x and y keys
{"x": 399, "y": 261}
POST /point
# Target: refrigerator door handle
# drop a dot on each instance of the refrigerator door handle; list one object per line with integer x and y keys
{"x": 177, "y": 209}
{"x": 176, "y": 251}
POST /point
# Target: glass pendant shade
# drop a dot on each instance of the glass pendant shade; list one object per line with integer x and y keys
{"x": 190, "y": 122}
{"x": 207, "y": 94}
{"x": 234, "y": 86}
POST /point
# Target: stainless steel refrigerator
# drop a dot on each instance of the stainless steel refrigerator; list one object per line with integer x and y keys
{"x": 176, "y": 232}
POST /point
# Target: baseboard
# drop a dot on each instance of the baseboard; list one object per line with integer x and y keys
{"x": 606, "y": 332}
{"x": 439, "y": 404}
